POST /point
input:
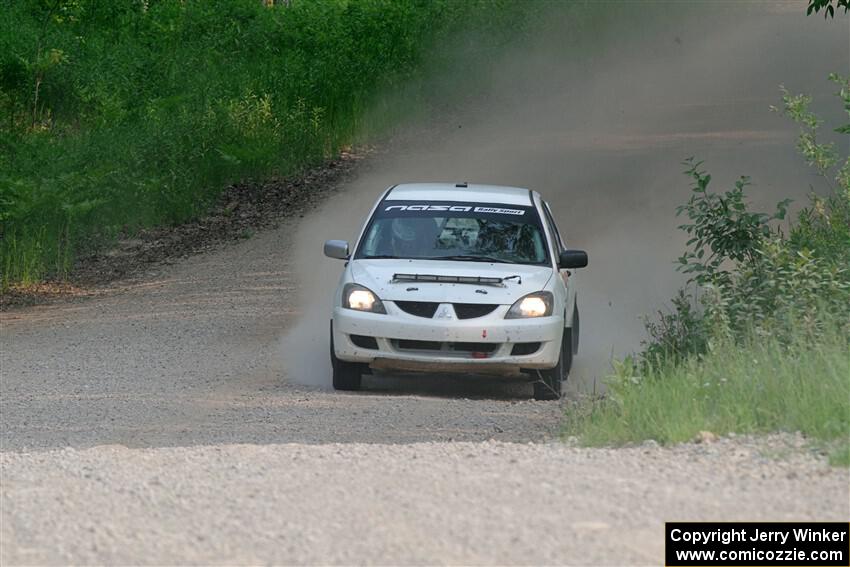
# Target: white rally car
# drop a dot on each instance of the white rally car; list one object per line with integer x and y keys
{"x": 457, "y": 278}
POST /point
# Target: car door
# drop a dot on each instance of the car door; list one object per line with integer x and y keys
{"x": 567, "y": 276}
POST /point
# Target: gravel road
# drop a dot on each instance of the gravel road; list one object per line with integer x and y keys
{"x": 422, "y": 503}
{"x": 185, "y": 416}
{"x": 192, "y": 356}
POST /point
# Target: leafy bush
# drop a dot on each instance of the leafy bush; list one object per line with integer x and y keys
{"x": 824, "y": 227}
{"x": 750, "y": 279}
{"x": 762, "y": 344}
{"x": 723, "y": 226}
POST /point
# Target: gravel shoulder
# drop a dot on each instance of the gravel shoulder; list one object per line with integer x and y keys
{"x": 423, "y": 503}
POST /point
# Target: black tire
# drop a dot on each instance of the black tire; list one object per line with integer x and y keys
{"x": 567, "y": 352}
{"x": 548, "y": 385}
{"x": 346, "y": 375}
{"x": 576, "y": 329}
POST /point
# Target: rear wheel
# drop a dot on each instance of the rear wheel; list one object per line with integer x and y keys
{"x": 346, "y": 375}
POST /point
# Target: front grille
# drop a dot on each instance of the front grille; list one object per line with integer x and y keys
{"x": 365, "y": 342}
{"x": 473, "y": 310}
{"x": 418, "y": 308}
{"x": 520, "y": 349}
{"x": 462, "y": 310}
{"x": 404, "y": 344}
{"x": 418, "y": 345}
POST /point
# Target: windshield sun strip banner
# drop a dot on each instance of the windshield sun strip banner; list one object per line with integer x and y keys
{"x": 420, "y": 208}
{"x": 455, "y": 209}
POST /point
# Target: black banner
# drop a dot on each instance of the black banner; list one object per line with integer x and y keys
{"x": 763, "y": 544}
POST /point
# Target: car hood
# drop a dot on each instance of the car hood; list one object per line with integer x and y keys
{"x": 377, "y": 275}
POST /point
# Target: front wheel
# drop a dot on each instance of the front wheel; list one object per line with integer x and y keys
{"x": 548, "y": 385}
{"x": 346, "y": 375}
{"x": 567, "y": 351}
{"x": 575, "y": 329}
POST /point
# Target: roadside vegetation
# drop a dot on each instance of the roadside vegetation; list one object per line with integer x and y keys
{"x": 759, "y": 341}
{"x": 127, "y": 114}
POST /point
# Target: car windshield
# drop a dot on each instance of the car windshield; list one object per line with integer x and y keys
{"x": 454, "y": 231}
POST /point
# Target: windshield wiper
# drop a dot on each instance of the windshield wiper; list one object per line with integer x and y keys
{"x": 382, "y": 257}
{"x": 470, "y": 258}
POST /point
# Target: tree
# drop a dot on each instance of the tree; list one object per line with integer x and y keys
{"x": 828, "y": 8}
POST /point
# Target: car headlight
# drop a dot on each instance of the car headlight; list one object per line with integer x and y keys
{"x": 359, "y": 298}
{"x": 538, "y": 304}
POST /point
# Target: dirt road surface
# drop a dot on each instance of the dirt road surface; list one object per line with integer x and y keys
{"x": 185, "y": 416}
{"x": 424, "y": 503}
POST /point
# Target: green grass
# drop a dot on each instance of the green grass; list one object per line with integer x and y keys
{"x": 841, "y": 457}
{"x": 761, "y": 386}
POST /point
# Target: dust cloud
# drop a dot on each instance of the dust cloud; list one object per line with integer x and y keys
{"x": 600, "y": 125}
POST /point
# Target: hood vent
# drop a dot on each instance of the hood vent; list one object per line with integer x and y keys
{"x": 476, "y": 280}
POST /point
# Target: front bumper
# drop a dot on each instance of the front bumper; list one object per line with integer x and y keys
{"x": 399, "y": 341}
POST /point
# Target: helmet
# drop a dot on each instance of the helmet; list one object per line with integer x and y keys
{"x": 404, "y": 229}
{"x": 413, "y": 236}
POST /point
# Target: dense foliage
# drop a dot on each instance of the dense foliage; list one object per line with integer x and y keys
{"x": 116, "y": 114}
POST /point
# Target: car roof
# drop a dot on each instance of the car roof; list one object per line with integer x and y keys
{"x": 461, "y": 192}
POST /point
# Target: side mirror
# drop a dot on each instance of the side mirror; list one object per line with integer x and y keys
{"x": 336, "y": 249}
{"x": 572, "y": 259}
